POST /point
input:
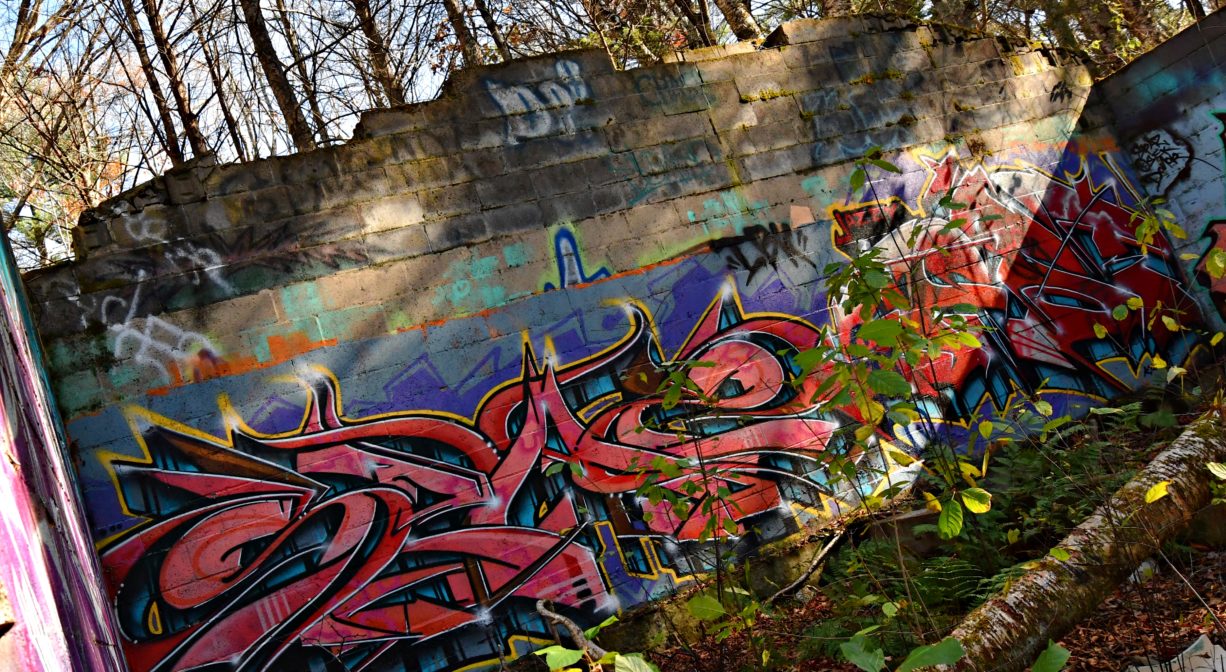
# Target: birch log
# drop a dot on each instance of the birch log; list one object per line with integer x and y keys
{"x": 1010, "y": 630}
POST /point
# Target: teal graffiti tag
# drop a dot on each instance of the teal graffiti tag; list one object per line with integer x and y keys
{"x": 729, "y": 212}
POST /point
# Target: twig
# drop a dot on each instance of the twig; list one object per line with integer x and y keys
{"x": 593, "y": 650}
{"x": 813, "y": 566}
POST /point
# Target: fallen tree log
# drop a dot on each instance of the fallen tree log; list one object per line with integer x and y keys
{"x": 1010, "y": 630}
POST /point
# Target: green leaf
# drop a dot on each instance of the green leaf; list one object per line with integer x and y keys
{"x": 953, "y": 224}
{"x": 1157, "y": 491}
{"x": 595, "y": 629}
{"x": 857, "y": 653}
{"x": 890, "y": 609}
{"x": 887, "y": 382}
{"x": 1056, "y": 423}
{"x": 1217, "y": 338}
{"x": 1217, "y": 469}
{"x": 632, "y": 663}
{"x": 558, "y": 657}
{"x": 1120, "y": 312}
{"x": 968, "y": 339}
{"x": 876, "y": 279}
{"x": 885, "y": 165}
{"x": 947, "y": 652}
{"x": 901, "y": 419}
{"x": 1059, "y": 554}
{"x": 1099, "y": 330}
{"x": 1053, "y": 658}
{"x": 1215, "y": 263}
{"x": 671, "y": 397}
{"x": 1170, "y": 323}
{"x": 881, "y": 331}
{"x": 1012, "y": 536}
{"x": 1134, "y": 302}
{"x": 950, "y": 522}
{"x": 977, "y": 500}
{"x": 705, "y": 608}
{"x": 858, "y": 176}
{"x": 903, "y": 459}
{"x": 985, "y": 429}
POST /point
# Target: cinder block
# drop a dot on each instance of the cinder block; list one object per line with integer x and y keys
{"x": 668, "y": 129}
{"x": 391, "y": 213}
{"x": 445, "y": 234}
{"x": 401, "y": 243}
{"x": 505, "y": 189}
{"x": 559, "y": 149}
{"x": 762, "y": 165}
{"x": 569, "y": 208}
{"x": 513, "y": 218}
{"x": 563, "y": 179}
{"x": 449, "y": 201}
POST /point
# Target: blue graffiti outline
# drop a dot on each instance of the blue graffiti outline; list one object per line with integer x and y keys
{"x": 570, "y": 262}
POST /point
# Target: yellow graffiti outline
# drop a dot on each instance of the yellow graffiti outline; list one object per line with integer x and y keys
{"x": 658, "y": 567}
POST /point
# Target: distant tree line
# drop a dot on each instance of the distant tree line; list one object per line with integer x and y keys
{"x": 99, "y": 95}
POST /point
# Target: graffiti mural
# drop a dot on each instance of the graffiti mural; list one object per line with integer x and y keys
{"x": 364, "y": 540}
{"x": 1214, "y": 231}
{"x": 1037, "y": 259}
{"x": 418, "y": 532}
{"x": 1161, "y": 159}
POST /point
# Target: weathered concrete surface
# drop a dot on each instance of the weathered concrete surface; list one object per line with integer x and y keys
{"x": 313, "y": 400}
{"x": 53, "y": 609}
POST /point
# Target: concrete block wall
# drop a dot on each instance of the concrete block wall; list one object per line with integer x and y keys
{"x": 369, "y": 403}
{"x": 1169, "y": 115}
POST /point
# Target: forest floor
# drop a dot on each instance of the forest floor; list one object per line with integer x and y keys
{"x": 1142, "y": 623}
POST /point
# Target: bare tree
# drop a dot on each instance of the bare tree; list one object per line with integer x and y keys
{"x": 274, "y": 72}
{"x": 298, "y": 61}
{"x": 739, "y": 19}
{"x": 212, "y": 61}
{"x": 166, "y": 53}
{"x": 468, "y": 44}
{"x": 137, "y": 36}
{"x": 376, "y": 48}
{"x": 699, "y": 20}
{"x": 484, "y": 10}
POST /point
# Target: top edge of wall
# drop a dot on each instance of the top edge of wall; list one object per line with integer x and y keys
{"x": 203, "y": 181}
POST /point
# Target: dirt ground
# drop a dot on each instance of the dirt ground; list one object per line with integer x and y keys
{"x": 1142, "y": 623}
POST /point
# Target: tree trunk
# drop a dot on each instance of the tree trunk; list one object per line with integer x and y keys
{"x": 287, "y": 101}
{"x": 468, "y": 45}
{"x": 169, "y": 135}
{"x": 1195, "y": 8}
{"x": 376, "y": 48}
{"x": 833, "y": 8}
{"x": 1009, "y": 631}
{"x": 697, "y": 18}
{"x": 739, "y": 19}
{"x": 491, "y": 26}
{"x": 215, "y": 76}
{"x": 191, "y": 127}
{"x": 300, "y": 69}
